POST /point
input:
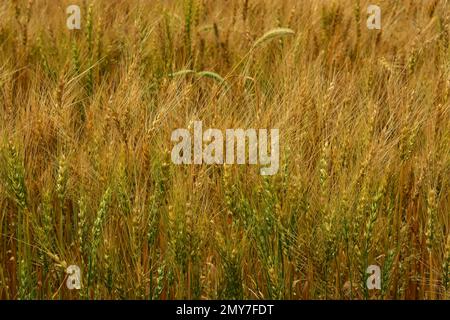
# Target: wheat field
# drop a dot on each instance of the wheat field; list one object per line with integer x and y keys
{"x": 86, "y": 176}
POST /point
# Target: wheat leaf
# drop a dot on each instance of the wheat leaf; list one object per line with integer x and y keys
{"x": 272, "y": 34}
